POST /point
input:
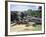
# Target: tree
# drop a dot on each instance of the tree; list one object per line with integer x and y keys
{"x": 37, "y": 13}
{"x": 40, "y": 11}
{"x": 22, "y": 15}
{"x": 29, "y": 12}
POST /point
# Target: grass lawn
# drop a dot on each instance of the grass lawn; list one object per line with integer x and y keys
{"x": 37, "y": 28}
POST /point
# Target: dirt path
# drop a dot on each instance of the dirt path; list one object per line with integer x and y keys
{"x": 21, "y": 27}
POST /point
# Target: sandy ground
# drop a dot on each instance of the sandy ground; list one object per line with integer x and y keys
{"x": 21, "y": 27}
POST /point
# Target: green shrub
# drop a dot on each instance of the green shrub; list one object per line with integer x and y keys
{"x": 34, "y": 25}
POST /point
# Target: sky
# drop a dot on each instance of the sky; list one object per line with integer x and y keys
{"x": 17, "y": 7}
